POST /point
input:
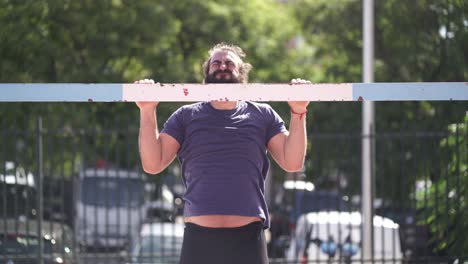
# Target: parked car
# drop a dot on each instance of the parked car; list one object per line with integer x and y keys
{"x": 303, "y": 201}
{"x": 336, "y": 236}
{"x": 415, "y": 235}
{"x": 18, "y": 189}
{"x": 158, "y": 243}
{"x": 16, "y": 175}
{"x": 163, "y": 208}
{"x": 292, "y": 201}
{"x": 19, "y": 242}
{"x": 110, "y": 207}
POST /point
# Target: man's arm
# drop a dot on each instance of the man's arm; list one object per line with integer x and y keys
{"x": 288, "y": 148}
{"x": 157, "y": 150}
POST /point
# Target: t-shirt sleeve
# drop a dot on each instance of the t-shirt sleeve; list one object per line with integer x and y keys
{"x": 174, "y": 126}
{"x": 275, "y": 124}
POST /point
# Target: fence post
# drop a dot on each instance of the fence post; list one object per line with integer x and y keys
{"x": 367, "y": 133}
{"x": 40, "y": 177}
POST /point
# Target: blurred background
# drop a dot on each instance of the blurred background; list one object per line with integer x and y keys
{"x": 85, "y": 190}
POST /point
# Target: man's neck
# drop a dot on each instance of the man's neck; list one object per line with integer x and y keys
{"x": 224, "y": 105}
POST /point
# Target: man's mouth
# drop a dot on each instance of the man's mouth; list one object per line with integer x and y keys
{"x": 225, "y": 75}
{"x": 220, "y": 76}
{"x": 225, "y": 72}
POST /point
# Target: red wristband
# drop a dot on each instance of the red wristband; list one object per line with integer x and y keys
{"x": 300, "y": 114}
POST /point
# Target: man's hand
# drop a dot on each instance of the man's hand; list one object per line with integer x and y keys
{"x": 146, "y": 105}
{"x": 299, "y": 106}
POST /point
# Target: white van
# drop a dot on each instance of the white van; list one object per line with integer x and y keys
{"x": 19, "y": 190}
{"x": 110, "y": 207}
{"x": 158, "y": 243}
{"x": 16, "y": 175}
{"x": 333, "y": 235}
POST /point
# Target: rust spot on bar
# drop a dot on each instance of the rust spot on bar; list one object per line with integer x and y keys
{"x": 185, "y": 91}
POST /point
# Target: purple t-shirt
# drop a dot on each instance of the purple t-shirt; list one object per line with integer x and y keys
{"x": 223, "y": 155}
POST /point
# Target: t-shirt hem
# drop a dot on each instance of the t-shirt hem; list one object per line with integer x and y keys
{"x": 262, "y": 216}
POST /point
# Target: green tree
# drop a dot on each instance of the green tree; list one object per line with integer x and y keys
{"x": 119, "y": 41}
{"x": 443, "y": 202}
{"x": 123, "y": 40}
{"x": 82, "y": 41}
{"x": 414, "y": 41}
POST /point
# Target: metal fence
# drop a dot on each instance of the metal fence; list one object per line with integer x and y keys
{"x": 83, "y": 191}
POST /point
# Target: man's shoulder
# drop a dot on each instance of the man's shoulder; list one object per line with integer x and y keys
{"x": 261, "y": 107}
{"x": 258, "y": 105}
{"x": 192, "y": 107}
{"x": 187, "y": 111}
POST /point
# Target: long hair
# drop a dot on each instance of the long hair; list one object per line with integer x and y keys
{"x": 244, "y": 67}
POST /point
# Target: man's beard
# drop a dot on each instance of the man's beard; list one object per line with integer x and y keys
{"x": 211, "y": 78}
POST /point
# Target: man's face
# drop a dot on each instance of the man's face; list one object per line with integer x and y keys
{"x": 223, "y": 68}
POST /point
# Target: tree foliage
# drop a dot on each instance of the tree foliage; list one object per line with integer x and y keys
{"x": 120, "y": 41}
{"x": 410, "y": 46}
{"x": 443, "y": 202}
{"x": 415, "y": 41}
{"x": 115, "y": 41}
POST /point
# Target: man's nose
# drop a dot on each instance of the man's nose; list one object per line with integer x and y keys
{"x": 222, "y": 66}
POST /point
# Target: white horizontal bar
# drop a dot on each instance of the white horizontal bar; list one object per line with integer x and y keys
{"x": 66, "y": 92}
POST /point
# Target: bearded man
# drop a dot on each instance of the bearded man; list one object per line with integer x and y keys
{"x": 223, "y": 150}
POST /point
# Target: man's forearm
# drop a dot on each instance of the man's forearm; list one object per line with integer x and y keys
{"x": 296, "y": 143}
{"x": 148, "y": 141}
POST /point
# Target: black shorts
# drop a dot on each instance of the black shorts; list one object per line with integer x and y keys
{"x": 203, "y": 245}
